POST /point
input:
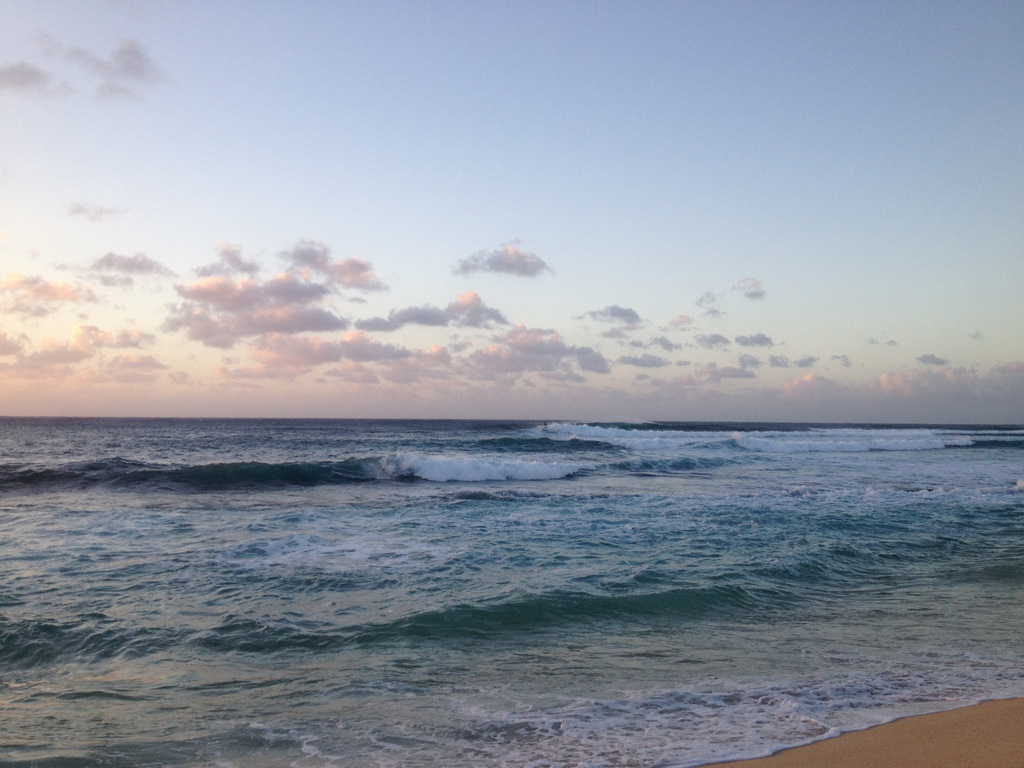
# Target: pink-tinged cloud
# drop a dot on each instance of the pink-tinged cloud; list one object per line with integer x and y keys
{"x": 468, "y": 309}
{"x": 524, "y": 350}
{"x": 681, "y": 321}
{"x": 88, "y": 336}
{"x": 229, "y": 261}
{"x": 353, "y": 272}
{"x": 916, "y": 383}
{"x": 284, "y": 356}
{"x": 9, "y": 345}
{"x": 220, "y": 311}
{"x": 36, "y": 296}
{"x": 508, "y": 260}
{"x": 810, "y": 385}
{"x": 120, "y": 270}
{"x": 354, "y": 373}
{"x": 135, "y": 363}
{"x": 1012, "y": 369}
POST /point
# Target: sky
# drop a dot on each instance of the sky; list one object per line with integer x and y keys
{"x": 607, "y": 211}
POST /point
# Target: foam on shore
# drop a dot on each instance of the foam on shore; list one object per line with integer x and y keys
{"x": 987, "y": 735}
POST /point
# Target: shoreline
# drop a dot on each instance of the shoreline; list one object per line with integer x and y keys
{"x": 985, "y": 735}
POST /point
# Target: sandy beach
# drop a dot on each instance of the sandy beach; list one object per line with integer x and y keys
{"x": 988, "y": 735}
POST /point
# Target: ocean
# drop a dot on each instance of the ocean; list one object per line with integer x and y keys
{"x": 495, "y": 593}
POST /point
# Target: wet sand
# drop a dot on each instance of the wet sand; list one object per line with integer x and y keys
{"x": 988, "y": 735}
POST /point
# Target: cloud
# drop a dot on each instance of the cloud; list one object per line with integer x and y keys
{"x": 591, "y": 360}
{"x": 9, "y": 345}
{"x": 117, "y": 270}
{"x": 781, "y": 361}
{"x": 752, "y": 288}
{"x": 926, "y": 382}
{"x": 810, "y": 385}
{"x": 977, "y": 335}
{"x": 681, "y": 321}
{"x": 92, "y": 212}
{"x": 58, "y": 360}
{"x": 229, "y": 262}
{"x": 715, "y": 374}
{"x": 666, "y": 344}
{"x": 285, "y": 356}
{"x": 37, "y": 297}
{"x": 931, "y": 359}
{"x": 90, "y": 336}
{"x": 616, "y": 314}
{"x": 757, "y": 340}
{"x": 711, "y": 340}
{"x": 843, "y": 360}
{"x": 645, "y": 361}
{"x": 507, "y": 260}
{"x": 525, "y": 349}
{"x": 468, "y": 309}
{"x": 749, "y": 361}
{"x": 709, "y": 303}
{"x": 1012, "y": 369}
{"x": 352, "y": 272}
{"x": 127, "y": 63}
{"x": 23, "y": 76}
{"x": 396, "y": 319}
{"x": 219, "y": 311}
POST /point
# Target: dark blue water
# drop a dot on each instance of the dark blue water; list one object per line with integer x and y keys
{"x": 401, "y": 593}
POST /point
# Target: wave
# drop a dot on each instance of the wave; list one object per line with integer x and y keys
{"x": 849, "y": 440}
{"x": 31, "y": 643}
{"x": 119, "y": 473}
{"x": 540, "y": 612}
{"x": 448, "y": 469}
{"x": 637, "y": 439}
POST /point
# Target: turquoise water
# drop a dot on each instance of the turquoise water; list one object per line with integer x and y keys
{"x": 401, "y": 593}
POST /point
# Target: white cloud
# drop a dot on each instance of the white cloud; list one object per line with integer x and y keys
{"x": 92, "y": 212}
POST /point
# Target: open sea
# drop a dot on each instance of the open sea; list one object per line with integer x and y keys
{"x": 491, "y": 593}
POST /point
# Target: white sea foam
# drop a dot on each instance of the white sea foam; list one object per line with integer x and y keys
{"x": 446, "y": 469}
{"x": 848, "y": 440}
{"x": 633, "y": 439}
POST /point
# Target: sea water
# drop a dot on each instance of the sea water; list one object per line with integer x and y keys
{"x": 438, "y": 593}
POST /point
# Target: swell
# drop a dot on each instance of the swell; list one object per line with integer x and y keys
{"x": 29, "y": 643}
{"x": 120, "y": 473}
{"x": 512, "y": 618}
